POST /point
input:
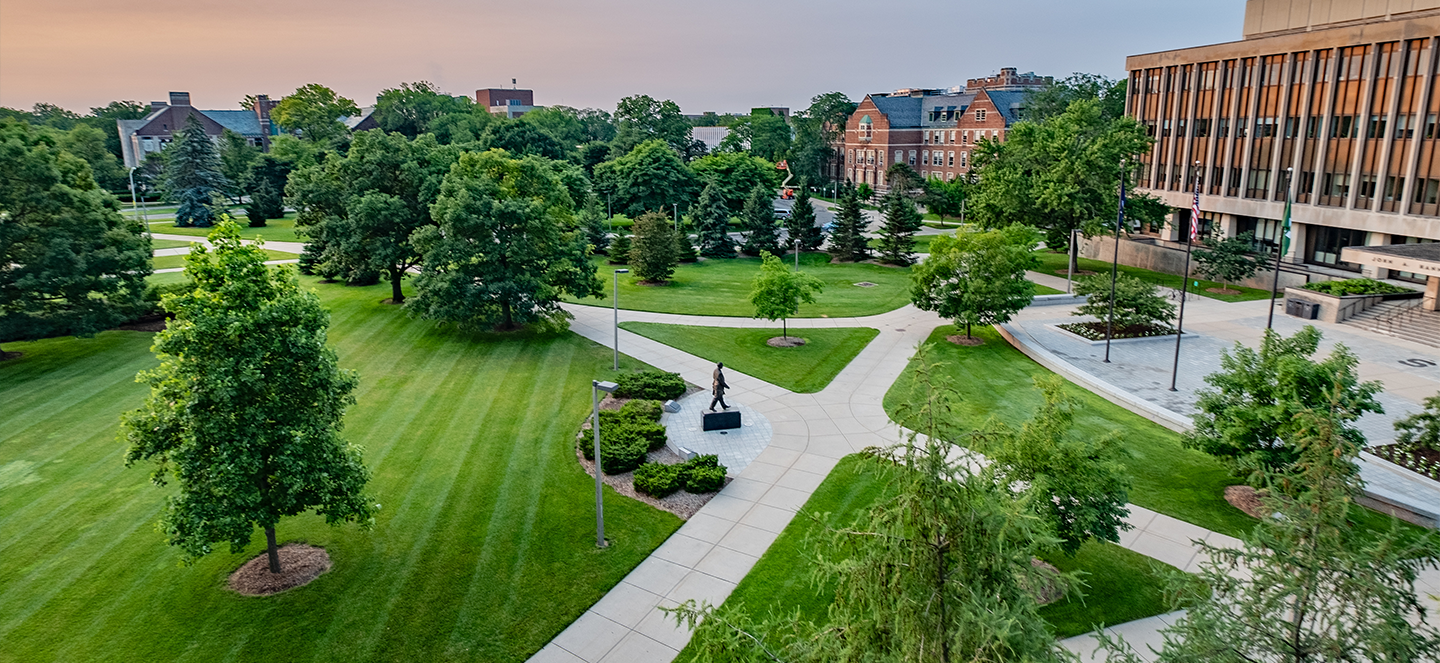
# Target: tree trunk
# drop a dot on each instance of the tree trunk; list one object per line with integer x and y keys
{"x": 396, "y": 295}
{"x": 272, "y": 550}
{"x": 509, "y": 318}
{"x": 784, "y": 329}
{"x": 967, "y": 329}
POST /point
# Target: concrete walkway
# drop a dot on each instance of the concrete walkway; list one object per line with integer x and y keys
{"x": 713, "y": 551}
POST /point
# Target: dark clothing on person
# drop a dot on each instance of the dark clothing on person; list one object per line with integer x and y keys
{"x": 718, "y": 387}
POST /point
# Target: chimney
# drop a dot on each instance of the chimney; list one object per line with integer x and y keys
{"x": 179, "y": 98}
{"x": 262, "y": 112}
{"x": 157, "y": 105}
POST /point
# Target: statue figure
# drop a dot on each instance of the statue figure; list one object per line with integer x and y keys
{"x": 718, "y": 387}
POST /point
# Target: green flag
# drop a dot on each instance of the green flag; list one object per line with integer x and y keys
{"x": 1285, "y": 231}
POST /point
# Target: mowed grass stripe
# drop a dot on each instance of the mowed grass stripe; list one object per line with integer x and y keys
{"x": 32, "y": 394}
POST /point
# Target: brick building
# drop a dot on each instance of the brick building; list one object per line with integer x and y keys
{"x": 932, "y": 130}
{"x": 152, "y": 133}
{"x": 1334, "y": 100}
{"x": 510, "y": 103}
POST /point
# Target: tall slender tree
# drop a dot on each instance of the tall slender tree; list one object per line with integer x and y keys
{"x": 712, "y": 218}
{"x": 653, "y": 254}
{"x": 801, "y": 224}
{"x": 245, "y": 409}
{"x": 193, "y": 176}
{"x": 897, "y": 235}
{"x": 847, "y": 241}
{"x": 762, "y": 233}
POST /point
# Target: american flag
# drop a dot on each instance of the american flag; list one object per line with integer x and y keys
{"x": 1195, "y": 214}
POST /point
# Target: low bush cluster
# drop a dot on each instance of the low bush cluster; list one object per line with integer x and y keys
{"x": 702, "y": 474}
{"x": 654, "y": 385}
{"x": 1346, "y": 287}
{"x": 626, "y": 436}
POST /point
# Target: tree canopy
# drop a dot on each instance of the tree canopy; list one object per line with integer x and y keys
{"x": 314, "y": 111}
{"x": 412, "y": 108}
{"x": 74, "y": 264}
{"x": 245, "y": 409}
{"x": 735, "y": 175}
{"x": 778, "y": 291}
{"x": 1228, "y": 260}
{"x": 641, "y": 118}
{"x": 499, "y": 256}
{"x": 649, "y": 178}
{"x": 976, "y": 278}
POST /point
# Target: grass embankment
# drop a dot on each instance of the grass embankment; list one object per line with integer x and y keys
{"x": 171, "y": 262}
{"x": 722, "y": 287}
{"x": 996, "y": 380}
{"x": 1055, "y": 263}
{"x": 483, "y": 549}
{"x": 805, "y": 369}
{"x": 1120, "y": 585}
{"x": 275, "y": 230}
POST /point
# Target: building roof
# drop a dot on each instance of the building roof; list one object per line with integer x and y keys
{"x": 902, "y": 111}
{"x": 353, "y": 121}
{"x": 1009, "y": 103}
{"x": 242, "y": 122}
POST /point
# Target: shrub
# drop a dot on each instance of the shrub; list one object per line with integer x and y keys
{"x": 619, "y": 252}
{"x": 1355, "y": 287}
{"x": 1137, "y": 302}
{"x": 654, "y": 385}
{"x": 658, "y": 479}
{"x": 641, "y": 408}
{"x": 705, "y": 479}
{"x": 626, "y": 436}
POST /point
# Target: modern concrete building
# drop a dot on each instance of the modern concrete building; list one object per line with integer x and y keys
{"x": 1333, "y": 101}
{"x": 932, "y": 130}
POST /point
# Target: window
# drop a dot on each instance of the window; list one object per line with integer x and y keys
{"x": 912, "y": 157}
{"x": 1222, "y": 128}
{"x": 952, "y": 137}
{"x": 1292, "y": 127}
{"x": 1404, "y": 126}
{"x": 1376, "y": 127}
{"x": 1326, "y": 244}
{"x": 965, "y": 138}
{"x": 964, "y": 159}
{"x": 1342, "y": 126}
{"x": 1427, "y": 192}
{"x": 867, "y": 128}
{"x": 1429, "y": 127}
{"x": 899, "y": 156}
{"x": 1240, "y": 127}
{"x": 851, "y": 158}
{"x": 924, "y": 138}
{"x": 1394, "y": 187}
{"x": 950, "y": 161}
{"x": 1265, "y": 127}
{"x": 980, "y": 115}
{"x": 925, "y": 158}
{"x": 1336, "y": 185}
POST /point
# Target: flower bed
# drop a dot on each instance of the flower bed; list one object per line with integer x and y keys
{"x": 1349, "y": 287}
{"x": 1095, "y": 331}
{"x": 1418, "y": 459}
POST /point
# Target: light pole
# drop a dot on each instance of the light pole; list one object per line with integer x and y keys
{"x": 615, "y": 296}
{"x": 596, "y": 387}
{"x": 797, "y": 255}
{"x": 134, "y": 206}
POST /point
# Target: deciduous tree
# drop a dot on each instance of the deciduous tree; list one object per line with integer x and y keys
{"x": 945, "y": 197}
{"x": 777, "y": 291}
{"x": 1228, "y": 260}
{"x": 1137, "y": 302}
{"x": 245, "y": 408}
{"x": 976, "y": 278}
{"x": 641, "y": 118}
{"x": 651, "y": 178}
{"x": 72, "y": 263}
{"x": 314, "y": 111}
{"x": 735, "y": 175}
{"x": 412, "y": 108}
{"x": 653, "y": 254}
{"x": 499, "y": 256}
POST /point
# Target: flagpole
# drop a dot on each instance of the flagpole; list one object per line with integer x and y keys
{"x": 1185, "y": 284}
{"x": 1115, "y": 265}
{"x": 1281, "y": 245}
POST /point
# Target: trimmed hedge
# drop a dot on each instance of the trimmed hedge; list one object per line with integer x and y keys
{"x": 1355, "y": 287}
{"x": 626, "y": 436}
{"x": 654, "y": 385}
{"x": 701, "y": 474}
{"x": 705, "y": 479}
{"x": 658, "y": 479}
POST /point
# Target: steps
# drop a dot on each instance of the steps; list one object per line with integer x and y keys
{"x": 1402, "y": 319}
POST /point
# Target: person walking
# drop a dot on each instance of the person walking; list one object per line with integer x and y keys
{"x": 718, "y": 387}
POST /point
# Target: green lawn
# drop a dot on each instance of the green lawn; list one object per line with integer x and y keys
{"x": 168, "y": 244}
{"x": 275, "y": 230}
{"x": 1054, "y": 263}
{"x": 922, "y": 243}
{"x": 805, "y": 369}
{"x": 996, "y": 380}
{"x": 1120, "y": 585}
{"x": 171, "y": 262}
{"x": 722, "y": 287}
{"x": 483, "y": 549}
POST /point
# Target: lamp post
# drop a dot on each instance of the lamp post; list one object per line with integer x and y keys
{"x": 134, "y": 209}
{"x": 615, "y": 296}
{"x": 596, "y": 387}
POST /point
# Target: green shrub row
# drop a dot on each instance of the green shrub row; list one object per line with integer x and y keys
{"x": 626, "y": 436}
{"x": 702, "y": 474}
{"x": 1355, "y": 287}
{"x": 656, "y": 385}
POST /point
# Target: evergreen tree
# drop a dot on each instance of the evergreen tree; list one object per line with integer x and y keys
{"x": 245, "y": 407}
{"x": 619, "y": 250}
{"x": 897, "y": 236}
{"x": 652, "y": 253}
{"x": 713, "y": 221}
{"x": 762, "y": 233}
{"x": 264, "y": 184}
{"x": 193, "y": 177}
{"x": 592, "y": 222}
{"x": 685, "y": 247}
{"x": 847, "y": 240}
{"x": 801, "y": 224}
{"x": 70, "y": 263}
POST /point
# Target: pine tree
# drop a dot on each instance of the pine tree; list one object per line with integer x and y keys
{"x": 685, "y": 248}
{"x": 264, "y": 183}
{"x": 592, "y": 223}
{"x": 847, "y": 241}
{"x": 801, "y": 224}
{"x": 713, "y": 221}
{"x": 193, "y": 176}
{"x": 619, "y": 249}
{"x": 652, "y": 253}
{"x": 762, "y": 233}
{"x": 897, "y": 236}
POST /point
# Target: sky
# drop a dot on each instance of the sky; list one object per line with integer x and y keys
{"x": 711, "y": 56}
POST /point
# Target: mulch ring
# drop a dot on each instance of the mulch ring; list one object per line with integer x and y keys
{"x": 1247, "y": 499}
{"x": 959, "y": 339}
{"x": 10, "y": 355}
{"x": 1049, "y": 591}
{"x": 785, "y": 342}
{"x": 299, "y": 564}
{"x": 1078, "y": 272}
{"x": 652, "y": 283}
{"x": 1223, "y": 291}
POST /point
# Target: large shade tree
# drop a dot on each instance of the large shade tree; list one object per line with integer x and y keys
{"x": 245, "y": 409}
{"x": 413, "y": 108}
{"x": 735, "y": 175}
{"x": 361, "y": 210}
{"x": 976, "y": 278}
{"x": 70, "y": 263}
{"x": 314, "y": 112}
{"x": 500, "y": 256}
{"x": 641, "y": 118}
{"x": 650, "y": 178}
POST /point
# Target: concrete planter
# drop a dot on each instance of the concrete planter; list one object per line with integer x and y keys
{"x": 1061, "y": 299}
{"x": 1335, "y": 309}
{"x": 1076, "y": 337}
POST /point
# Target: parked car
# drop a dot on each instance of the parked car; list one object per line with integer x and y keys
{"x": 782, "y": 213}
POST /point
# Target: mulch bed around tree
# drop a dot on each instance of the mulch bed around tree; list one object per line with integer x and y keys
{"x": 299, "y": 564}
{"x": 1223, "y": 291}
{"x": 1078, "y": 272}
{"x": 785, "y": 342}
{"x": 1095, "y": 331}
{"x": 1247, "y": 499}
{"x": 652, "y": 283}
{"x": 10, "y": 355}
{"x": 961, "y": 339}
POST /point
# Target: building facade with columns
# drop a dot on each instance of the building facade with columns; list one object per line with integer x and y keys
{"x": 1332, "y": 101}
